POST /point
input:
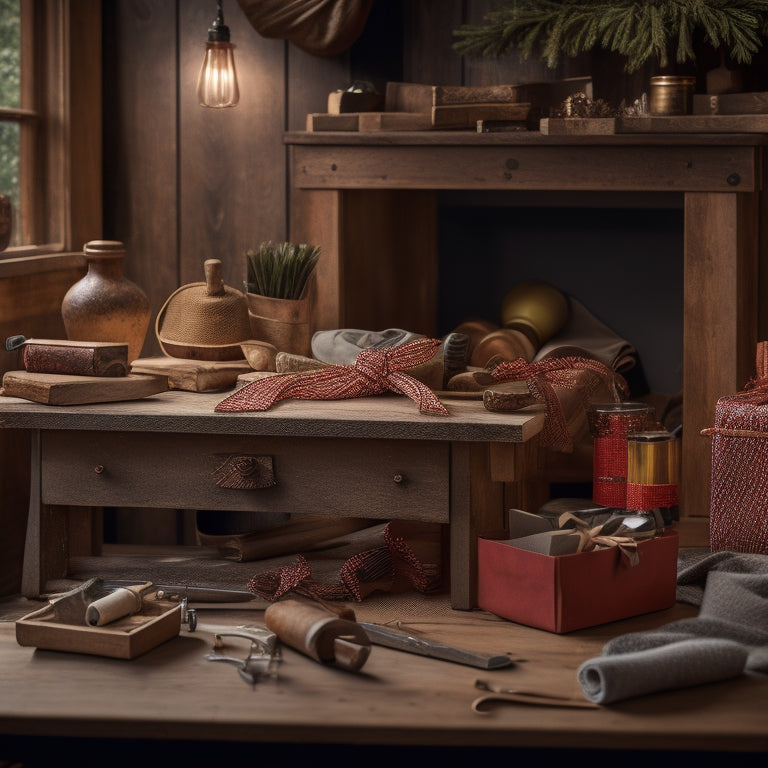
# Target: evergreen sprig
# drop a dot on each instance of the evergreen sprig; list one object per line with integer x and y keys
{"x": 639, "y": 30}
{"x": 281, "y": 271}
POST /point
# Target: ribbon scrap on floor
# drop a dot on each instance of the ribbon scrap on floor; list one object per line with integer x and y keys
{"x": 374, "y": 372}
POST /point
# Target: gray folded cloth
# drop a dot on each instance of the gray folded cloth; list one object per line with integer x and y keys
{"x": 727, "y": 638}
{"x": 586, "y": 336}
{"x": 677, "y": 665}
{"x": 342, "y": 346}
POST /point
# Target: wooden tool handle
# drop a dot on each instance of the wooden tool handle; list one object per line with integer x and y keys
{"x": 123, "y": 601}
{"x": 318, "y": 633}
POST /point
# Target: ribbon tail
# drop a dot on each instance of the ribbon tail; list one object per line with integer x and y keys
{"x": 411, "y": 354}
{"x": 326, "y": 384}
{"x": 419, "y": 392}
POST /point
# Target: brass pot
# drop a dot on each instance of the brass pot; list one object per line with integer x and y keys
{"x": 671, "y": 95}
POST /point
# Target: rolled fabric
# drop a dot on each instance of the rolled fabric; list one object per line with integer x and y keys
{"x": 611, "y": 678}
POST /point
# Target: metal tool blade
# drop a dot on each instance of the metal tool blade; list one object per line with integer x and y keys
{"x": 194, "y": 593}
{"x": 402, "y": 641}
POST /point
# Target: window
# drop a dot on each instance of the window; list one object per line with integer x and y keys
{"x": 50, "y": 123}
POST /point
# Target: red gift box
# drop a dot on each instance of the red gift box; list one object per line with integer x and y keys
{"x": 567, "y": 592}
{"x": 738, "y": 515}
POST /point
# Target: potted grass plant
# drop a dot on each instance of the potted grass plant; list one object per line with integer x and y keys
{"x": 280, "y": 288}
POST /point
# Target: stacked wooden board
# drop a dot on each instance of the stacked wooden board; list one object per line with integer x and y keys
{"x": 422, "y": 107}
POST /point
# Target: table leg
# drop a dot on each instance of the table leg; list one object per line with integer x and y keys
{"x": 46, "y": 544}
{"x": 477, "y": 509}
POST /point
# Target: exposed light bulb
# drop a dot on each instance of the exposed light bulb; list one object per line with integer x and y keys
{"x": 217, "y": 82}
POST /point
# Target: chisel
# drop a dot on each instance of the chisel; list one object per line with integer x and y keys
{"x": 401, "y": 641}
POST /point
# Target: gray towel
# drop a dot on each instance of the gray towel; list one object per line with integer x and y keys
{"x": 727, "y": 638}
{"x": 342, "y": 346}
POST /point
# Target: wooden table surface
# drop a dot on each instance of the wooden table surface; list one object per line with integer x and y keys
{"x": 173, "y": 693}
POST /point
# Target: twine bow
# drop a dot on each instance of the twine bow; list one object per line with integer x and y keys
{"x": 375, "y": 371}
{"x": 590, "y": 538}
{"x": 543, "y": 376}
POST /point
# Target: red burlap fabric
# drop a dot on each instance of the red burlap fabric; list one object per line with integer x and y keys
{"x": 408, "y": 559}
{"x": 549, "y": 379}
{"x": 739, "y": 498}
{"x": 375, "y": 371}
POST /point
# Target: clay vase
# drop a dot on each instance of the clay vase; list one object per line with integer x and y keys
{"x": 105, "y": 305}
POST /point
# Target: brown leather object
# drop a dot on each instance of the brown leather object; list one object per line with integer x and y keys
{"x": 319, "y": 27}
{"x": 506, "y": 343}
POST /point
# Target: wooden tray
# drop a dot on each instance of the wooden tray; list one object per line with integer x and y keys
{"x": 126, "y": 638}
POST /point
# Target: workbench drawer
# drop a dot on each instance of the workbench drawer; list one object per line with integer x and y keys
{"x": 349, "y": 477}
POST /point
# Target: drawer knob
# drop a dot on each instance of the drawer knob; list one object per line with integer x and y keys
{"x": 98, "y": 469}
{"x": 398, "y": 478}
{"x": 245, "y": 471}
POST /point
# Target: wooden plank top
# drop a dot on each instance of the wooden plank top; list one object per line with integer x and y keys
{"x": 383, "y": 416}
{"x": 173, "y": 692}
{"x": 517, "y": 139}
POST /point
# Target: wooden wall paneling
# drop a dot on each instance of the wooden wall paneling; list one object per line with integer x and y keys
{"x": 428, "y": 55}
{"x": 140, "y": 158}
{"x": 232, "y": 186}
{"x": 140, "y": 125}
{"x": 712, "y": 376}
{"x": 310, "y": 79}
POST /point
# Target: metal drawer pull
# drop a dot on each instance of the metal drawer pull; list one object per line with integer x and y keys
{"x": 245, "y": 471}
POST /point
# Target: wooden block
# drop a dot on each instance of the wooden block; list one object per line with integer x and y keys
{"x": 319, "y": 121}
{"x": 60, "y": 389}
{"x": 419, "y": 97}
{"x": 467, "y": 115}
{"x": 341, "y": 102}
{"x": 193, "y": 375}
{"x": 393, "y": 121}
{"x": 751, "y": 103}
{"x": 79, "y": 358}
{"x": 577, "y": 126}
{"x": 693, "y": 124}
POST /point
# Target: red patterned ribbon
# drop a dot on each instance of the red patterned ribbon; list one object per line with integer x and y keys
{"x": 375, "y": 371}
{"x": 643, "y": 497}
{"x": 393, "y": 567}
{"x": 609, "y": 471}
{"x": 543, "y": 376}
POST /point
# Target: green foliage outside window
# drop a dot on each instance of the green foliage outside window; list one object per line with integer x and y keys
{"x": 10, "y": 96}
{"x": 665, "y": 31}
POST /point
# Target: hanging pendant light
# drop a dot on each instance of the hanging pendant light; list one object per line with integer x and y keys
{"x": 217, "y": 83}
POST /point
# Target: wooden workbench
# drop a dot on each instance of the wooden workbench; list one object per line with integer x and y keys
{"x": 374, "y": 457}
{"x": 396, "y": 707}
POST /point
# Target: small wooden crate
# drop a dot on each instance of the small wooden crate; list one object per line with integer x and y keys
{"x": 126, "y": 638}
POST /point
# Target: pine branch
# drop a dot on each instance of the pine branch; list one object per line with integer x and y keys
{"x": 640, "y": 31}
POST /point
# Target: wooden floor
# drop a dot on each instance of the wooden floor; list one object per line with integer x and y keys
{"x": 173, "y": 704}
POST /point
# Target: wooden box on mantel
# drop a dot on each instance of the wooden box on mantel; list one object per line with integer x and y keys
{"x": 126, "y": 638}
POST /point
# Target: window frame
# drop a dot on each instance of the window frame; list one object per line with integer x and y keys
{"x": 61, "y": 133}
